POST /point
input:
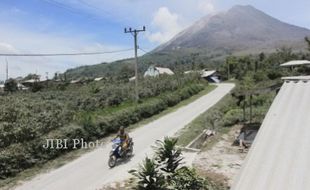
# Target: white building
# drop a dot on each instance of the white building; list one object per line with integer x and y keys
{"x": 156, "y": 71}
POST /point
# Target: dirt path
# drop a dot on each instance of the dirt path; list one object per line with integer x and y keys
{"x": 90, "y": 171}
{"x": 223, "y": 160}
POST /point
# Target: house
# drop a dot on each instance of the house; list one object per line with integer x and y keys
{"x": 295, "y": 63}
{"x": 211, "y": 76}
{"x": 132, "y": 78}
{"x": 77, "y": 81}
{"x": 98, "y": 79}
{"x": 21, "y": 86}
{"x": 156, "y": 71}
{"x": 30, "y": 81}
{"x": 1, "y": 88}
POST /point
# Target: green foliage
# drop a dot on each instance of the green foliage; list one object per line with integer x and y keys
{"x": 164, "y": 171}
{"x": 32, "y": 76}
{"x": 36, "y": 86}
{"x": 214, "y": 119}
{"x": 148, "y": 175}
{"x": 28, "y": 119}
{"x": 10, "y": 85}
{"x": 167, "y": 155}
{"x": 232, "y": 117}
{"x": 186, "y": 178}
{"x": 260, "y": 76}
{"x": 308, "y": 42}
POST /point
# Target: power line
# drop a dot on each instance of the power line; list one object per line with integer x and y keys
{"x": 61, "y": 5}
{"x": 70, "y": 9}
{"x": 61, "y": 54}
{"x": 92, "y": 7}
{"x": 7, "y": 68}
{"x": 143, "y": 50}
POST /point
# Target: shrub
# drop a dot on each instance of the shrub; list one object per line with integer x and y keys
{"x": 10, "y": 85}
{"x": 186, "y": 178}
{"x": 232, "y": 117}
{"x": 163, "y": 172}
{"x": 148, "y": 175}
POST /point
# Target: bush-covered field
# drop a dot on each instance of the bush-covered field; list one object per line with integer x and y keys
{"x": 88, "y": 111}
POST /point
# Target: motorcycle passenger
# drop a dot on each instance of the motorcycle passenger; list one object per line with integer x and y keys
{"x": 124, "y": 138}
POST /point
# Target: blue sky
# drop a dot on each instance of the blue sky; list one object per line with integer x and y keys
{"x": 55, "y": 26}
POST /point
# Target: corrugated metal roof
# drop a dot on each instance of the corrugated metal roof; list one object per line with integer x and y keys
{"x": 295, "y": 63}
{"x": 279, "y": 158}
{"x": 296, "y": 78}
{"x": 208, "y": 73}
{"x": 98, "y": 79}
{"x": 163, "y": 70}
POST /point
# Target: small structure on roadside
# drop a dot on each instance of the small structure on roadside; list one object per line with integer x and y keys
{"x": 156, "y": 71}
{"x": 247, "y": 134}
{"x": 211, "y": 76}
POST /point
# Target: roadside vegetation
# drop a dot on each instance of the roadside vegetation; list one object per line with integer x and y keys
{"x": 165, "y": 171}
{"x": 88, "y": 111}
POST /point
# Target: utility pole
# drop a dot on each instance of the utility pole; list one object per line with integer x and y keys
{"x": 135, "y": 34}
{"x": 7, "y": 69}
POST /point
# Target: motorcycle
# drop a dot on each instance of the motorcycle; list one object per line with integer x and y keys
{"x": 118, "y": 153}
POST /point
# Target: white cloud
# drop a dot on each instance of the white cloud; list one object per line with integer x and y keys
{"x": 7, "y": 48}
{"x": 206, "y": 7}
{"x": 16, "y": 40}
{"x": 167, "y": 24}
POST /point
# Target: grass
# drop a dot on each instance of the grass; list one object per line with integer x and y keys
{"x": 193, "y": 129}
{"x": 64, "y": 159}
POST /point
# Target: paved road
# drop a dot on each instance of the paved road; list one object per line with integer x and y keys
{"x": 91, "y": 171}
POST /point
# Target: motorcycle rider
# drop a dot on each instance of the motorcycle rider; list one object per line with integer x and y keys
{"x": 124, "y": 138}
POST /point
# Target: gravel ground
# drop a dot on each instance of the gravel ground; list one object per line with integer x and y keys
{"x": 223, "y": 161}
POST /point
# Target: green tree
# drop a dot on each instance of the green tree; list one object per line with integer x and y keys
{"x": 10, "y": 85}
{"x": 231, "y": 64}
{"x": 214, "y": 118}
{"x": 32, "y": 76}
{"x": 308, "y": 42}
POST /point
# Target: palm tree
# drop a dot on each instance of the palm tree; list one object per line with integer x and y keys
{"x": 167, "y": 155}
{"x": 148, "y": 175}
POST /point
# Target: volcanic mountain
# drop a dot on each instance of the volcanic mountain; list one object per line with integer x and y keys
{"x": 240, "y": 29}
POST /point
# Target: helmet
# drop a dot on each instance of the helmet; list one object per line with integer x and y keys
{"x": 122, "y": 130}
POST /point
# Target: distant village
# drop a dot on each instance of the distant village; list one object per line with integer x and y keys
{"x": 27, "y": 83}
